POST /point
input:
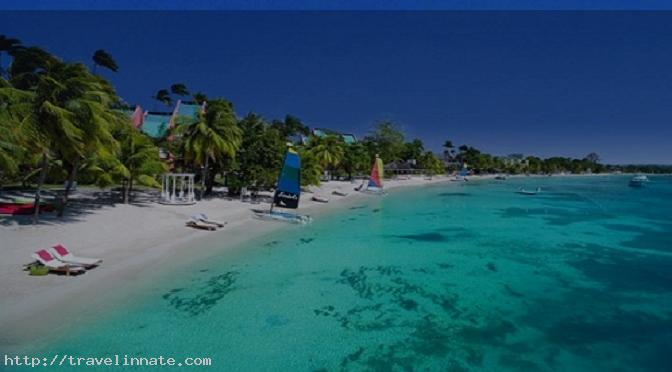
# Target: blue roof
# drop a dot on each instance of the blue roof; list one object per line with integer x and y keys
{"x": 189, "y": 110}
{"x": 156, "y": 124}
{"x": 347, "y": 138}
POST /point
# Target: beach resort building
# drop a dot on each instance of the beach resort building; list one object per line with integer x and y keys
{"x": 157, "y": 124}
{"x": 515, "y": 160}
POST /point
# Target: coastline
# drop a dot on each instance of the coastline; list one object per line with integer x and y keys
{"x": 135, "y": 242}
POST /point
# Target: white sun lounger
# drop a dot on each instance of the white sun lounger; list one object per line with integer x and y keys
{"x": 203, "y": 218}
{"x": 54, "y": 264}
{"x": 62, "y": 253}
{"x": 197, "y": 224}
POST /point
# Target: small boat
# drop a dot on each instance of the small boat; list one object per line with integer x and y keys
{"x": 528, "y": 192}
{"x": 339, "y": 193}
{"x": 375, "y": 185}
{"x": 23, "y": 206}
{"x": 320, "y": 199}
{"x": 500, "y": 178}
{"x": 638, "y": 181}
{"x": 287, "y": 193}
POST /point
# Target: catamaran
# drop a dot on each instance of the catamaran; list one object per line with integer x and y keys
{"x": 462, "y": 176}
{"x": 287, "y": 192}
{"x": 375, "y": 185}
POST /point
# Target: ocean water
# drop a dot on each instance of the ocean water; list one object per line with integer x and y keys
{"x": 438, "y": 278}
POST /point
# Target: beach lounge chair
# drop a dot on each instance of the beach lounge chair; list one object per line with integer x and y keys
{"x": 203, "y": 218}
{"x": 197, "y": 224}
{"x": 54, "y": 264}
{"x": 320, "y": 199}
{"x": 62, "y": 253}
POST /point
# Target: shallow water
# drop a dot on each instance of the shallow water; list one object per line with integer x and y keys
{"x": 445, "y": 277}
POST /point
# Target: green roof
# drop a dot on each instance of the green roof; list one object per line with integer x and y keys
{"x": 188, "y": 109}
{"x": 156, "y": 124}
{"x": 347, "y": 138}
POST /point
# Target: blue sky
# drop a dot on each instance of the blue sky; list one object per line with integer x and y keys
{"x": 543, "y": 83}
{"x": 339, "y": 4}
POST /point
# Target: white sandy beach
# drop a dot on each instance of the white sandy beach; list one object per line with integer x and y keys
{"x": 133, "y": 240}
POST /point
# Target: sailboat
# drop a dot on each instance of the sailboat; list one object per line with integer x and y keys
{"x": 462, "y": 176}
{"x": 287, "y": 192}
{"x": 375, "y": 184}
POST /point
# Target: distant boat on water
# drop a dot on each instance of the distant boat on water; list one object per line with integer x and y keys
{"x": 528, "y": 192}
{"x": 638, "y": 181}
{"x": 287, "y": 192}
{"x": 500, "y": 178}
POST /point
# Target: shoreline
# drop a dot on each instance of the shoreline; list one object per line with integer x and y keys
{"x": 135, "y": 241}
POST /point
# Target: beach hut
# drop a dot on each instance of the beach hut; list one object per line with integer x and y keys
{"x": 177, "y": 189}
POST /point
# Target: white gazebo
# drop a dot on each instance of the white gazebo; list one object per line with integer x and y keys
{"x": 177, "y": 189}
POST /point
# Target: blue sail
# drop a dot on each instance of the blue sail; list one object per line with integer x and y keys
{"x": 289, "y": 183}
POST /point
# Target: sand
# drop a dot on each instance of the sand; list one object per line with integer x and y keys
{"x": 133, "y": 240}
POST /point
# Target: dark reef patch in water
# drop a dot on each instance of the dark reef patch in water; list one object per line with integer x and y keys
{"x": 205, "y": 296}
{"x": 432, "y": 237}
{"x": 647, "y": 238}
{"x": 630, "y": 327}
{"x": 512, "y": 292}
{"x": 556, "y": 216}
{"x": 352, "y": 357}
{"x": 306, "y": 240}
{"x": 494, "y": 333}
{"x": 492, "y": 267}
{"x": 449, "y": 194}
{"x": 431, "y": 328}
{"x": 646, "y": 273}
{"x": 516, "y": 362}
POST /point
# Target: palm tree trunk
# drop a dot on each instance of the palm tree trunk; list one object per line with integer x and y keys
{"x": 128, "y": 188}
{"x": 210, "y": 183}
{"x": 203, "y": 176}
{"x": 43, "y": 175}
{"x": 68, "y": 187}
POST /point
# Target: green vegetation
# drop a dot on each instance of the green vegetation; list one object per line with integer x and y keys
{"x": 61, "y": 123}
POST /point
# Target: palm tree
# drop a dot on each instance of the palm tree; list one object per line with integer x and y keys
{"x": 69, "y": 111}
{"x": 163, "y": 96}
{"x": 355, "y": 159}
{"x": 104, "y": 59}
{"x": 12, "y": 103}
{"x": 328, "y": 150}
{"x": 448, "y": 145}
{"x": 8, "y": 45}
{"x": 139, "y": 161}
{"x": 200, "y": 97}
{"x": 311, "y": 170}
{"x": 215, "y": 134}
{"x": 179, "y": 89}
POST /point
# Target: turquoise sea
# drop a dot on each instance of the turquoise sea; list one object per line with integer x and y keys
{"x": 439, "y": 278}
